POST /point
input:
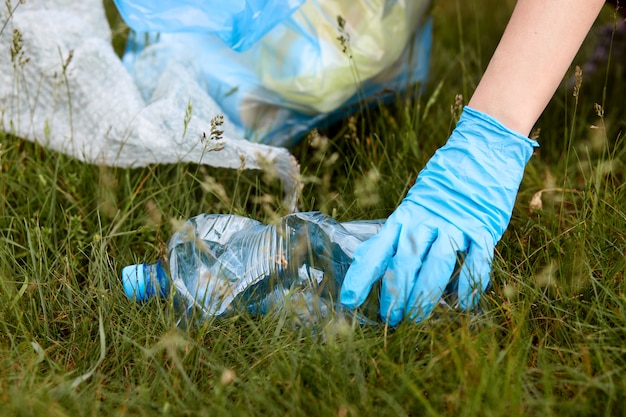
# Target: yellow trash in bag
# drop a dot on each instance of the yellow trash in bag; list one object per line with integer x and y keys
{"x": 276, "y": 81}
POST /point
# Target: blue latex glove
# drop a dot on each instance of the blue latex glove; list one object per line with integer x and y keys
{"x": 461, "y": 203}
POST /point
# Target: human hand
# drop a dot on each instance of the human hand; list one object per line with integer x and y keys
{"x": 457, "y": 211}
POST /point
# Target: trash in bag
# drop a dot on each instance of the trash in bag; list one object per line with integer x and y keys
{"x": 278, "y": 68}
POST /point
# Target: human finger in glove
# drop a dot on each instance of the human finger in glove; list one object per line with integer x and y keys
{"x": 462, "y": 200}
{"x": 461, "y": 204}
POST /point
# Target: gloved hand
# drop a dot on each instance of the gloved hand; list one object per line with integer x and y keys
{"x": 457, "y": 210}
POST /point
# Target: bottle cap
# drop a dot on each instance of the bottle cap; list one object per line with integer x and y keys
{"x": 134, "y": 280}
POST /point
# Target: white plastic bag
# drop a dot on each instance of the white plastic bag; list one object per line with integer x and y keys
{"x": 63, "y": 86}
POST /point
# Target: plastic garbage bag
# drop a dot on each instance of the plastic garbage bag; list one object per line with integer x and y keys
{"x": 305, "y": 65}
{"x": 239, "y": 24}
{"x": 63, "y": 86}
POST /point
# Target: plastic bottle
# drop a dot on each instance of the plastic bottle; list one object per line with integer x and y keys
{"x": 219, "y": 263}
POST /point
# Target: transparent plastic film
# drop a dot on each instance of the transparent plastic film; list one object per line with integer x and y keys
{"x": 66, "y": 89}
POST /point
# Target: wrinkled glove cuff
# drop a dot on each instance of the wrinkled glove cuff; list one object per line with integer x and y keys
{"x": 521, "y": 147}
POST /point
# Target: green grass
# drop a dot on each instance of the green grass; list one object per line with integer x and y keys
{"x": 551, "y": 339}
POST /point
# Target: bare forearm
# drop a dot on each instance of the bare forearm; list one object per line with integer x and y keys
{"x": 537, "y": 47}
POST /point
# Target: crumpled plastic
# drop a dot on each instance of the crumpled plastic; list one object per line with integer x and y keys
{"x": 63, "y": 86}
{"x": 300, "y": 69}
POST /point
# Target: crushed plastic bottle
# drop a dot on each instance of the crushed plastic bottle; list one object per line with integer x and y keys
{"x": 220, "y": 263}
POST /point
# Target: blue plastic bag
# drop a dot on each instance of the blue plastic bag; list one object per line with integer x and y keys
{"x": 239, "y": 23}
{"x": 279, "y": 68}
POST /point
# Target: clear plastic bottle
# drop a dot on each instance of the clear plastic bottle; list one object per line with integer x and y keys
{"x": 219, "y": 263}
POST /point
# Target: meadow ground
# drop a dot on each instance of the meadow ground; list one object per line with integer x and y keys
{"x": 551, "y": 339}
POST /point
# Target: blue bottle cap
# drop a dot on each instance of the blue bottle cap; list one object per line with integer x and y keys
{"x": 134, "y": 280}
